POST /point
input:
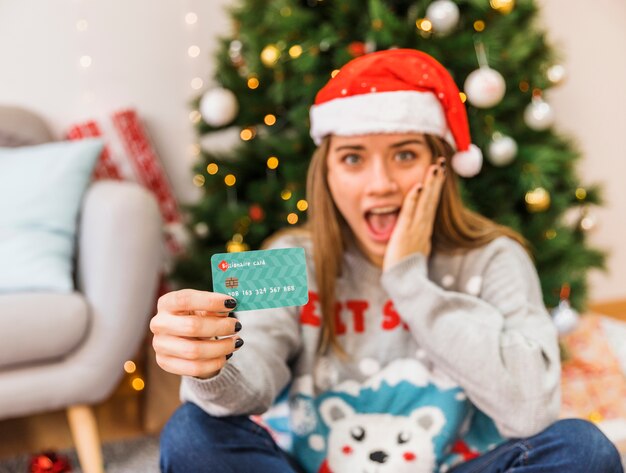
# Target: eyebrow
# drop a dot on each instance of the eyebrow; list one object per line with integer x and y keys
{"x": 407, "y": 142}
{"x": 395, "y": 145}
{"x": 351, "y": 147}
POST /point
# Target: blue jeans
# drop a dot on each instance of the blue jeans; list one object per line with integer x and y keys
{"x": 194, "y": 442}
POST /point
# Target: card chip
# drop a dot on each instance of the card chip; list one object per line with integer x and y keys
{"x": 232, "y": 283}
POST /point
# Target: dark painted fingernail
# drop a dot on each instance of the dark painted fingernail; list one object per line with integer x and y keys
{"x": 239, "y": 343}
{"x": 436, "y": 171}
{"x": 230, "y": 303}
{"x": 237, "y": 326}
{"x": 228, "y": 357}
{"x": 443, "y": 164}
{"x": 232, "y": 315}
{"x": 419, "y": 189}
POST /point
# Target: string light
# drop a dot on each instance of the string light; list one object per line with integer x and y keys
{"x": 424, "y": 24}
{"x": 581, "y": 193}
{"x": 198, "y": 180}
{"x": 302, "y": 205}
{"x": 272, "y": 162}
{"x": 194, "y": 149}
{"x": 85, "y": 61}
{"x": 82, "y": 25}
{"x": 285, "y": 11}
{"x": 295, "y": 51}
{"x": 503, "y": 6}
{"x": 230, "y": 180}
{"x": 253, "y": 83}
{"x": 193, "y": 51}
{"x": 286, "y": 194}
{"x": 463, "y": 97}
{"x": 479, "y": 25}
{"x": 524, "y": 86}
{"x": 269, "y": 119}
{"x": 334, "y": 73}
{"x": 587, "y": 223}
{"x": 195, "y": 117}
{"x": 377, "y": 24}
{"x": 212, "y": 169}
{"x": 550, "y": 234}
{"x": 247, "y": 134}
{"x": 197, "y": 83}
{"x": 191, "y": 18}
{"x": 270, "y": 55}
{"x": 138, "y": 384}
{"x": 130, "y": 367}
{"x": 292, "y": 218}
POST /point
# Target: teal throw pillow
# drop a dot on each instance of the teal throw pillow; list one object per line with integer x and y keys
{"x": 41, "y": 189}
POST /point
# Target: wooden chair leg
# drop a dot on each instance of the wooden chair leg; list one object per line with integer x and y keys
{"x": 86, "y": 439}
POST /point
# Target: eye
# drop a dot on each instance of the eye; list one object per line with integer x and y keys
{"x": 404, "y": 156}
{"x": 357, "y": 433}
{"x": 404, "y": 437}
{"x": 351, "y": 159}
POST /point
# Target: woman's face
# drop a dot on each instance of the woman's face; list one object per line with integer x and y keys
{"x": 369, "y": 176}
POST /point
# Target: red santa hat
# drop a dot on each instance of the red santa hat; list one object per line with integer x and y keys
{"x": 396, "y": 91}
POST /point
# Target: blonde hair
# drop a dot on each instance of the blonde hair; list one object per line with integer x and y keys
{"x": 456, "y": 228}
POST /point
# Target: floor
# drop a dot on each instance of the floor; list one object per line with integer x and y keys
{"x": 120, "y": 417}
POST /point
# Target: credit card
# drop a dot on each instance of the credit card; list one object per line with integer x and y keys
{"x": 263, "y": 279}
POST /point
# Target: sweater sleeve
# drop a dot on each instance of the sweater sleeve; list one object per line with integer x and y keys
{"x": 259, "y": 370}
{"x": 500, "y": 347}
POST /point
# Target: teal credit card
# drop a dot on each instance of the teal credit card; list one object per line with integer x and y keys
{"x": 262, "y": 279}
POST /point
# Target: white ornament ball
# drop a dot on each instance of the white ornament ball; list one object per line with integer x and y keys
{"x": 444, "y": 16}
{"x": 539, "y": 114}
{"x": 502, "y": 150}
{"x": 565, "y": 318}
{"x": 484, "y": 87}
{"x": 218, "y": 107}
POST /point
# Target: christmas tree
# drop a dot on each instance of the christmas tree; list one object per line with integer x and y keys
{"x": 284, "y": 51}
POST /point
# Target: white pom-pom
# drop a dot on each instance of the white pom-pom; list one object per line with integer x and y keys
{"x": 468, "y": 163}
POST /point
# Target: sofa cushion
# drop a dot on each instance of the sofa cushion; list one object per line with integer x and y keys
{"x": 40, "y": 326}
{"x": 41, "y": 189}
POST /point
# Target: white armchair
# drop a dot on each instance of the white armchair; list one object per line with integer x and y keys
{"x": 66, "y": 351}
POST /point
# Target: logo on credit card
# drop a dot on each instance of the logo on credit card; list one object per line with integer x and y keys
{"x": 223, "y": 265}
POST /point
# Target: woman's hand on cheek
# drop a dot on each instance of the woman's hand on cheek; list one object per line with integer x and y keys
{"x": 414, "y": 228}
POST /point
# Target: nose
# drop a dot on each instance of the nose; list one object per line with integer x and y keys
{"x": 379, "y": 456}
{"x": 381, "y": 180}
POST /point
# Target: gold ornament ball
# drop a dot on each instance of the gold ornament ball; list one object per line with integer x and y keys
{"x": 270, "y": 55}
{"x": 537, "y": 200}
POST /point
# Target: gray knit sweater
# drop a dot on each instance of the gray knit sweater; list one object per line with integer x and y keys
{"x": 448, "y": 356}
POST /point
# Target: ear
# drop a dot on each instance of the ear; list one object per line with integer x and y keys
{"x": 429, "y": 419}
{"x": 335, "y": 409}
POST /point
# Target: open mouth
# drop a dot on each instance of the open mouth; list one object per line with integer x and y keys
{"x": 381, "y": 221}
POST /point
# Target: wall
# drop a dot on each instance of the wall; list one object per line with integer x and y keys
{"x": 591, "y": 107}
{"x": 139, "y": 58}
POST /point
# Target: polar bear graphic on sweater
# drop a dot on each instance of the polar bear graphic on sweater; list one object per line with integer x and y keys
{"x": 379, "y": 443}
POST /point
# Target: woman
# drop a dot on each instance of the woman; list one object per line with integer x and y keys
{"x": 424, "y": 346}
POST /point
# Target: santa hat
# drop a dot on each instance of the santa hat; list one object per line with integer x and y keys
{"x": 396, "y": 91}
